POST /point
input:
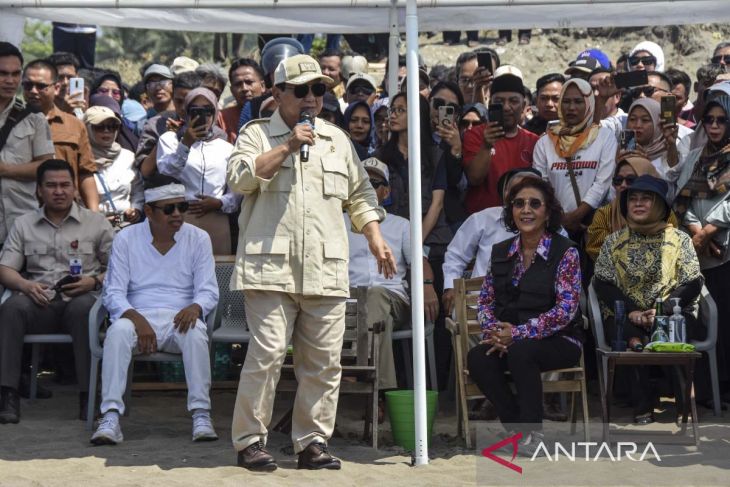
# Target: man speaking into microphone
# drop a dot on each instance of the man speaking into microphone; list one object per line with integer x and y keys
{"x": 297, "y": 173}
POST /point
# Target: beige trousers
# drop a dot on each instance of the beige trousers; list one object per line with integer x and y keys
{"x": 390, "y": 308}
{"x": 315, "y": 325}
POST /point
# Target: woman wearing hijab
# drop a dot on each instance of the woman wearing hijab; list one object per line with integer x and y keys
{"x": 577, "y": 157}
{"x": 646, "y": 56}
{"x": 646, "y": 260}
{"x": 703, "y": 209}
{"x": 199, "y": 160}
{"x": 121, "y": 195}
{"x": 655, "y": 140}
{"x": 608, "y": 218}
{"x": 359, "y": 124}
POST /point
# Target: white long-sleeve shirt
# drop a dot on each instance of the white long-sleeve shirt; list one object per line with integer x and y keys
{"x": 139, "y": 277}
{"x": 201, "y": 168}
{"x": 363, "y": 264}
{"x": 123, "y": 182}
{"x": 475, "y": 238}
{"x": 593, "y": 168}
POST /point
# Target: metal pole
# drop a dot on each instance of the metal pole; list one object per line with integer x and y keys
{"x": 420, "y": 456}
{"x": 393, "y": 50}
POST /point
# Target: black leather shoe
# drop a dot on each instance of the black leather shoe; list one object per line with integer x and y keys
{"x": 24, "y": 389}
{"x": 9, "y": 406}
{"x": 255, "y": 457}
{"x": 317, "y": 456}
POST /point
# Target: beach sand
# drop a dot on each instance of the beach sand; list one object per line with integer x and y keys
{"x": 50, "y": 447}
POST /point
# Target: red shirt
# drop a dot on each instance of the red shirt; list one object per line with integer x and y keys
{"x": 228, "y": 121}
{"x": 508, "y": 153}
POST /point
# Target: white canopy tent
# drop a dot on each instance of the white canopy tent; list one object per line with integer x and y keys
{"x": 368, "y": 16}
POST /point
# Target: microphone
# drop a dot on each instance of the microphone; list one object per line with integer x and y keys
{"x": 305, "y": 117}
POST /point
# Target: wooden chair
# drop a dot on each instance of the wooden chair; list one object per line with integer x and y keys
{"x": 359, "y": 361}
{"x": 466, "y": 326}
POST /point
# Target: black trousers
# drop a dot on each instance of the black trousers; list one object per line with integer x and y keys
{"x": 507, "y": 34}
{"x": 525, "y": 360}
{"x": 19, "y": 316}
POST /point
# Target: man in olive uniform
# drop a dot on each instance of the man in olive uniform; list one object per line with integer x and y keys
{"x": 292, "y": 262}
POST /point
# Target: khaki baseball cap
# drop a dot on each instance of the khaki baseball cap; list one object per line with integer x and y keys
{"x": 377, "y": 166}
{"x": 299, "y": 70}
{"x": 355, "y": 77}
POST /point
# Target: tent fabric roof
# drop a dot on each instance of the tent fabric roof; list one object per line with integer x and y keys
{"x": 363, "y": 16}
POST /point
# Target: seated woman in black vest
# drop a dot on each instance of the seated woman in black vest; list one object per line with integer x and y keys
{"x": 528, "y": 310}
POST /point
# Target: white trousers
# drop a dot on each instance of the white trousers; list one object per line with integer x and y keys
{"x": 121, "y": 342}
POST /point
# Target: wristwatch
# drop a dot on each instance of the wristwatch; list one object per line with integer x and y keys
{"x": 428, "y": 281}
{"x": 97, "y": 282}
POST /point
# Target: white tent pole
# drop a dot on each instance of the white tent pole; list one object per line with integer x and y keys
{"x": 393, "y": 50}
{"x": 420, "y": 456}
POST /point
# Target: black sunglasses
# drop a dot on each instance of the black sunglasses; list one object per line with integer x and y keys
{"x": 377, "y": 183}
{"x": 361, "y": 90}
{"x": 28, "y": 85}
{"x": 645, "y": 60}
{"x": 618, "y": 180}
{"x": 648, "y": 91}
{"x": 718, "y": 59}
{"x": 710, "y": 120}
{"x": 520, "y": 203}
{"x": 169, "y": 208}
{"x": 107, "y": 127}
{"x": 437, "y": 103}
{"x": 318, "y": 89}
{"x": 467, "y": 124}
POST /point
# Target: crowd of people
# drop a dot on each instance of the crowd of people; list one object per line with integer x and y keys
{"x": 606, "y": 171}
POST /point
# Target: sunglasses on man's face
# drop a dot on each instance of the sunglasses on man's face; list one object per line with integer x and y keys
{"x": 619, "y": 180}
{"x": 376, "y": 183}
{"x": 107, "y": 127}
{"x": 107, "y": 91}
{"x": 361, "y": 90}
{"x": 647, "y": 91}
{"x": 710, "y": 120}
{"x": 645, "y": 60}
{"x": 721, "y": 59}
{"x": 28, "y": 85}
{"x": 169, "y": 208}
{"x": 318, "y": 89}
{"x": 520, "y": 203}
{"x": 437, "y": 103}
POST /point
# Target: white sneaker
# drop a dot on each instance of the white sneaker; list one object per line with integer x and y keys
{"x": 109, "y": 432}
{"x": 203, "y": 426}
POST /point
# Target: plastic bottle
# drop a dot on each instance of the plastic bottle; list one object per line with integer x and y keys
{"x": 677, "y": 324}
{"x": 658, "y": 333}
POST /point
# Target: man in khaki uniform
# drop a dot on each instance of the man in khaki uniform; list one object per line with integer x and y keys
{"x": 292, "y": 262}
{"x": 51, "y": 243}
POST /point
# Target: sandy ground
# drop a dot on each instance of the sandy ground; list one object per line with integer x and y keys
{"x": 50, "y": 448}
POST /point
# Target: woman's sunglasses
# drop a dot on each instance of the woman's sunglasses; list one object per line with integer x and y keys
{"x": 169, "y": 208}
{"x": 520, "y": 203}
{"x": 376, "y": 183}
{"x": 318, "y": 89}
{"x": 618, "y": 180}
{"x": 645, "y": 60}
{"x": 710, "y": 120}
{"x": 107, "y": 127}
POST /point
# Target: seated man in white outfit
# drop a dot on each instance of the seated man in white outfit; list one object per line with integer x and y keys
{"x": 159, "y": 287}
{"x": 388, "y": 299}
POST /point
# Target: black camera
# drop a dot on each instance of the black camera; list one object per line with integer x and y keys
{"x": 202, "y": 114}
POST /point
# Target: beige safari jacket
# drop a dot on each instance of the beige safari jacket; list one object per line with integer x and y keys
{"x": 293, "y": 238}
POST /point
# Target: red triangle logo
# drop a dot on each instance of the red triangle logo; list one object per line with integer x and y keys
{"x": 487, "y": 452}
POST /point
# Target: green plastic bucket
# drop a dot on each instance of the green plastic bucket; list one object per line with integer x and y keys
{"x": 402, "y": 416}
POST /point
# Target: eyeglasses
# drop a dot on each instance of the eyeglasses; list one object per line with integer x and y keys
{"x": 106, "y": 91}
{"x": 645, "y": 60}
{"x": 169, "y": 208}
{"x": 158, "y": 85}
{"x": 467, "y": 124}
{"x": 721, "y": 59}
{"x": 28, "y": 85}
{"x": 361, "y": 90}
{"x": 396, "y": 111}
{"x": 520, "y": 203}
{"x": 376, "y": 183}
{"x": 710, "y": 120}
{"x": 466, "y": 82}
{"x": 618, "y": 180}
{"x": 648, "y": 91}
{"x": 318, "y": 89}
{"x": 437, "y": 103}
{"x": 107, "y": 127}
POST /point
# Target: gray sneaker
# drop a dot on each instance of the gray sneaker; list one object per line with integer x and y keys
{"x": 109, "y": 432}
{"x": 203, "y": 426}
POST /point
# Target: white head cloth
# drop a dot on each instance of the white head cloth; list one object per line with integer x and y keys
{"x": 167, "y": 192}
